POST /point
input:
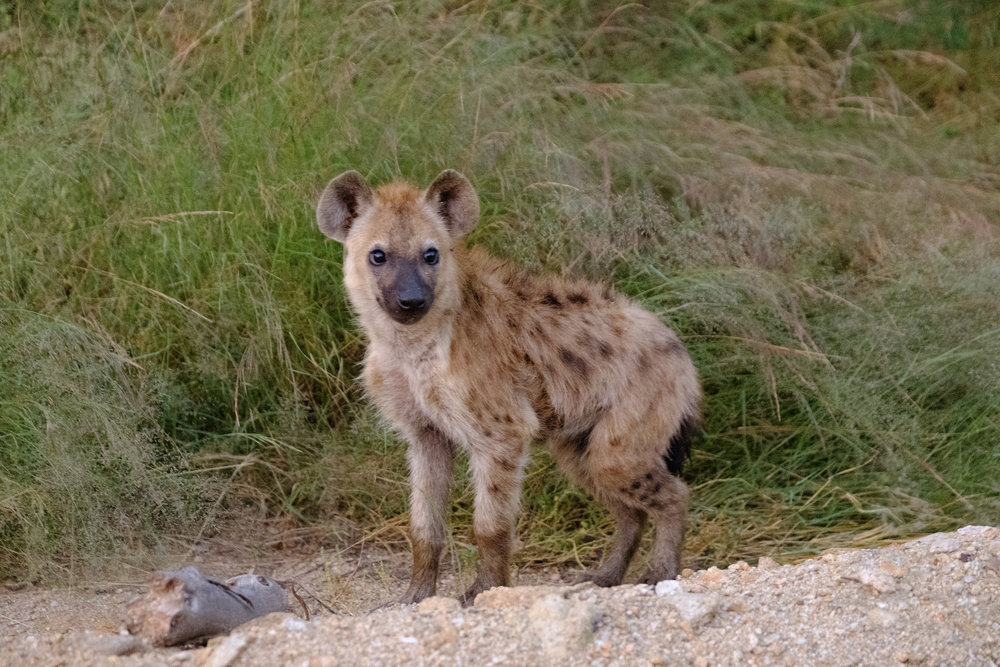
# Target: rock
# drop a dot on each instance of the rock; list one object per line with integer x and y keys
{"x": 896, "y": 570}
{"x": 221, "y": 652}
{"x": 520, "y": 596}
{"x": 695, "y": 608}
{"x": 118, "y": 645}
{"x": 939, "y": 543}
{"x": 562, "y": 626}
{"x": 877, "y": 578}
{"x": 767, "y": 563}
{"x": 669, "y": 587}
{"x": 293, "y": 624}
{"x": 712, "y": 577}
{"x": 442, "y": 604}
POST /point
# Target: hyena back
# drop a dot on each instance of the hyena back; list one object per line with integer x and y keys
{"x": 467, "y": 351}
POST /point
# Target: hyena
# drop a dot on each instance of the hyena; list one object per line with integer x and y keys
{"x": 465, "y": 350}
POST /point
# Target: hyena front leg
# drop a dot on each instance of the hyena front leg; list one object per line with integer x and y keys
{"x": 497, "y": 477}
{"x": 430, "y": 456}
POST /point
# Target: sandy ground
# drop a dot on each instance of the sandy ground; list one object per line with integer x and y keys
{"x": 935, "y": 600}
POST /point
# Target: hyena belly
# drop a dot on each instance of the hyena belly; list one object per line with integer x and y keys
{"x": 465, "y": 352}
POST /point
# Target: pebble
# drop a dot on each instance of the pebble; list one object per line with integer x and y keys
{"x": 440, "y": 604}
{"x": 767, "y": 563}
{"x": 223, "y": 651}
{"x": 712, "y": 577}
{"x": 562, "y": 626}
{"x": 939, "y": 543}
{"x": 880, "y": 580}
{"x": 518, "y": 596}
{"x": 695, "y": 608}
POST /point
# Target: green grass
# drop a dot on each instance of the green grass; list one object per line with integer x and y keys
{"x": 807, "y": 191}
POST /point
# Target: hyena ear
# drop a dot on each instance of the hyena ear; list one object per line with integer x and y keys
{"x": 456, "y": 202}
{"x": 345, "y": 198}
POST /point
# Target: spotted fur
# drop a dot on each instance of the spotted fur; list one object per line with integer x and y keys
{"x": 466, "y": 351}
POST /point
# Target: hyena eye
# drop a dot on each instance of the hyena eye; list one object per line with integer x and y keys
{"x": 431, "y": 256}
{"x": 376, "y": 257}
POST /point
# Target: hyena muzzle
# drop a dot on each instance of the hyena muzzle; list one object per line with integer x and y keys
{"x": 467, "y": 351}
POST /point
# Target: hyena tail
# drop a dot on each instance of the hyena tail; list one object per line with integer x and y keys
{"x": 681, "y": 442}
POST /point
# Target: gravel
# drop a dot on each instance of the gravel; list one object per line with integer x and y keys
{"x": 931, "y": 600}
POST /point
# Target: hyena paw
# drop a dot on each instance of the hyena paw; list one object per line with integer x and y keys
{"x": 600, "y": 578}
{"x": 655, "y": 575}
{"x": 416, "y": 592}
{"x": 468, "y": 598}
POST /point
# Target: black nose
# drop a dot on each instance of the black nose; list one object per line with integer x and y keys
{"x": 411, "y": 302}
{"x": 408, "y": 297}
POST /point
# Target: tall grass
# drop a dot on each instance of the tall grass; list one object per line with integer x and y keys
{"x": 807, "y": 192}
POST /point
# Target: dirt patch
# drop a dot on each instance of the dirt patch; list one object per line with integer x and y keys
{"x": 936, "y": 599}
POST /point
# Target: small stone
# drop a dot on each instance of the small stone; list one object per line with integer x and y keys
{"x": 669, "y": 587}
{"x": 712, "y": 577}
{"x": 447, "y": 631}
{"x": 293, "y": 624}
{"x": 938, "y": 543}
{"x": 738, "y": 566}
{"x": 562, "y": 626}
{"x": 223, "y": 651}
{"x": 894, "y": 570}
{"x": 695, "y": 608}
{"x": 878, "y": 579}
{"x": 519, "y": 596}
{"x": 767, "y": 563}
{"x": 438, "y": 603}
{"x": 109, "y": 645}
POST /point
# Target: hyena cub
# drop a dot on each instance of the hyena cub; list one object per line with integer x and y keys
{"x": 465, "y": 350}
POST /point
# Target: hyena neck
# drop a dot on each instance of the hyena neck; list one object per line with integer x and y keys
{"x": 409, "y": 342}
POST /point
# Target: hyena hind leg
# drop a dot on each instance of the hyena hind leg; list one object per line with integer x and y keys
{"x": 668, "y": 512}
{"x": 628, "y": 530}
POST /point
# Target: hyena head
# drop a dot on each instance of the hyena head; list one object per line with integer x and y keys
{"x": 399, "y": 243}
